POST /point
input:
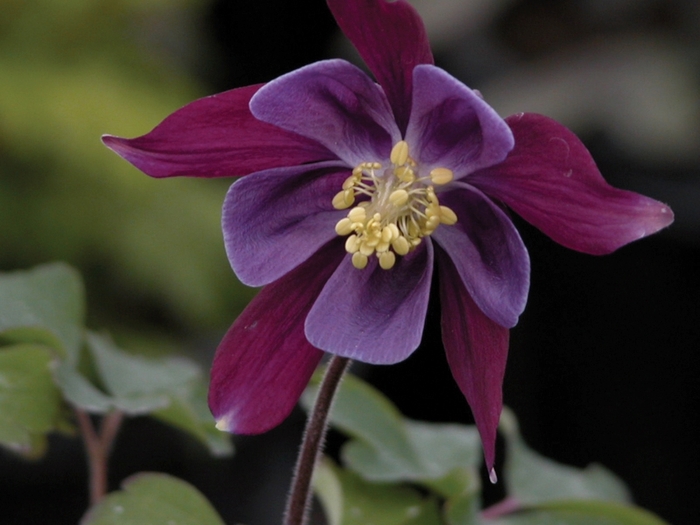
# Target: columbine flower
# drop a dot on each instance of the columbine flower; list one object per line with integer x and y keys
{"x": 356, "y": 192}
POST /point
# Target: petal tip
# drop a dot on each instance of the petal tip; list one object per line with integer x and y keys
{"x": 224, "y": 424}
{"x": 493, "y": 478}
{"x": 111, "y": 141}
{"x": 118, "y": 145}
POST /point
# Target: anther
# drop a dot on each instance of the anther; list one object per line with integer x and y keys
{"x": 357, "y": 214}
{"x": 441, "y": 176}
{"x": 399, "y": 153}
{"x": 344, "y": 226}
{"x": 352, "y": 244}
{"x": 401, "y": 245}
{"x": 447, "y": 216}
{"x": 359, "y": 260}
{"x": 405, "y": 174}
{"x": 387, "y": 234}
{"x": 398, "y": 197}
{"x": 387, "y": 260}
{"x": 350, "y": 182}
{"x": 343, "y": 199}
{"x": 366, "y": 249}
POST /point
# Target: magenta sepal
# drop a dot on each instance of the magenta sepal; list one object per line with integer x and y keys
{"x": 391, "y": 39}
{"x": 216, "y": 136}
{"x": 476, "y": 350}
{"x": 264, "y": 362}
{"x": 551, "y": 181}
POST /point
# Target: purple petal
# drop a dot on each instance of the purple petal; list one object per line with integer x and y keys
{"x": 373, "y": 315}
{"x": 551, "y": 180}
{"x": 216, "y": 136}
{"x": 335, "y": 104}
{"x": 275, "y": 220}
{"x": 488, "y": 253}
{"x": 264, "y": 362}
{"x": 452, "y": 127}
{"x": 477, "y": 350}
{"x": 392, "y": 41}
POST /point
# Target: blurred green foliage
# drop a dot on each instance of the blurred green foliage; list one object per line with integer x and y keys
{"x": 149, "y": 250}
{"x": 51, "y": 364}
{"x": 388, "y": 456}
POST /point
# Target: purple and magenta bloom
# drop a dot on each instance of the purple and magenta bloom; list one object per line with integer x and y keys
{"x": 354, "y": 192}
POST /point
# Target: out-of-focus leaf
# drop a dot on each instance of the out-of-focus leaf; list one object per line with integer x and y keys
{"x": 362, "y": 412}
{"x": 170, "y": 389}
{"x": 532, "y": 478}
{"x": 44, "y": 305}
{"x": 364, "y": 502}
{"x": 329, "y": 491}
{"x": 153, "y": 499}
{"x": 30, "y": 403}
{"x": 80, "y": 392}
{"x": 580, "y": 512}
{"x": 126, "y": 375}
{"x": 388, "y": 447}
{"x": 137, "y": 385}
{"x": 461, "y": 489}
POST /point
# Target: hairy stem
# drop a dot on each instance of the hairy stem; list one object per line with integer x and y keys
{"x": 298, "y": 504}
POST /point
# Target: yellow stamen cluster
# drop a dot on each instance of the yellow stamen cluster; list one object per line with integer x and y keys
{"x": 401, "y": 208}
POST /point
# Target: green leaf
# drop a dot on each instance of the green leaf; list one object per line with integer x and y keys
{"x": 532, "y": 478}
{"x": 461, "y": 489}
{"x": 153, "y": 499}
{"x": 139, "y": 385}
{"x": 365, "y": 502}
{"x": 126, "y": 375}
{"x": 79, "y": 391}
{"x": 170, "y": 389}
{"x": 134, "y": 384}
{"x": 389, "y": 447}
{"x": 43, "y": 305}
{"x": 30, "y": 403}
{"x": 581, "y": 513}
{"x": 329, "y": 491}
{"x": 364, "y": 413}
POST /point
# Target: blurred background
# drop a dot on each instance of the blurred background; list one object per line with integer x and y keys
{"x": 604, "y": 364}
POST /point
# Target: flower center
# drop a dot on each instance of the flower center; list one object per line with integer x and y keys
{"x": 398, "y": 209}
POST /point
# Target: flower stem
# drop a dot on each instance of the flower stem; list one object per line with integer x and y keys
{"x": 98, "y": 447}
{"x": 298, "y": 503}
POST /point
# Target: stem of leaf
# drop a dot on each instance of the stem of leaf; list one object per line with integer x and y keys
{"x": 298, "y": 503}
{"x": 98, "y": 446}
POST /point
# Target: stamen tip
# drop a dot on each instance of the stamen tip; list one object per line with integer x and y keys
{"x": 399, "y": 153}
{"x": 441, "y": 176}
